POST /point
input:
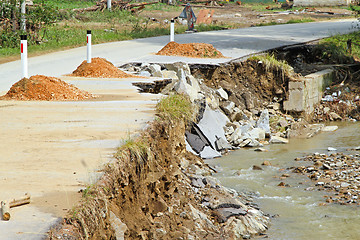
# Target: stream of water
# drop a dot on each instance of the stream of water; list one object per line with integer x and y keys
{"x": 299, "y": 214}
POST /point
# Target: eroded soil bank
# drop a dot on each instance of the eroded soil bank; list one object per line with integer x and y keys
{"x": 159, "y": 188}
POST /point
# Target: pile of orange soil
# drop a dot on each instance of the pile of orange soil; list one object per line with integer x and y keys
{"x": 197, "y": 50}
{"x": 44, "y": 88}
{"x": 100, "y": 68}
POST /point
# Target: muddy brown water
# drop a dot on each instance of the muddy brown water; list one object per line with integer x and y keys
{"x": 299, "y": 214}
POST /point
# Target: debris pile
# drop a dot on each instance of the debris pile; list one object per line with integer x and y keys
{"x": 99, "y": 68}
{"x": 337, "y": 173}
{"x": 115, "y": 5}
{"x": 197, "y": 50}
{"x": 44, "y": 88}
{"x": 339, "y": 103}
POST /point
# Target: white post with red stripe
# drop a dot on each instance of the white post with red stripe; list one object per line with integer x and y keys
{"x": 172, "y": 30}
{"x": 24, "y": 61}
{"x": 88, "y": 40}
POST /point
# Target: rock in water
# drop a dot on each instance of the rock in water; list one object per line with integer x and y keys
{"x": 330, "y": 128}
{"x": 276, "y": 139}
{"x": 331, "y": 149}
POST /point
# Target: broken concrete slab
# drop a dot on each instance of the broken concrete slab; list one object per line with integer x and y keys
{"x": 208, "y": 153}
{"x": 196, "y": 143}
{"x": 212, "y": 125}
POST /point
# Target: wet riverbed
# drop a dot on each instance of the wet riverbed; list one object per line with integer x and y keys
{"x": 299, "y": 213}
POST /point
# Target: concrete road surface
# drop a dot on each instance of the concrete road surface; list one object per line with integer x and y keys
{"x": 52, "y": 149}
{"x": 232, "y": 43}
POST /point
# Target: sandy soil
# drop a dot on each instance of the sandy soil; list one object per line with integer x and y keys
{"x": 53, "y": 149}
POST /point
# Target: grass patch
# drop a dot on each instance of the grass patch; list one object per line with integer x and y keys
{"x": 164, "y": 7}
{"x": 334, "y": 49}
{"x": 291, "y": 21}
{"x": 271, "y": 62}
{"x": 302, "y": 20}
{"x": 176, "y": 106}
{"x": 67, "y": 4}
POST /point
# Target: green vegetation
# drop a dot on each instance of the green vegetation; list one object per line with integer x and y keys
{"x": 271, "y": 62}
{"x": 335, "y": 49}
{"x": 62, "y": 29}
{"x": 291, "y": 21}
{"x": 175, "y": 106}
{"x": 66, "y": 4}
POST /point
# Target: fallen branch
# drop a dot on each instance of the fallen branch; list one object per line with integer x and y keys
{"x": 21, "y": 201}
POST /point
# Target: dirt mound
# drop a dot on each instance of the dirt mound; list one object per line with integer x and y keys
{"x": 197, "y": 50}
{"x": 100, "y": 68}
{"x": 44, "y": 88}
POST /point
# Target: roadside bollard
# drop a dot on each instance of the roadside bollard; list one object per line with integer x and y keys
{"x": 88, "y": 40}
{"x": 109, "y": 5}
{"x": 24, "y": 61}
{"x": 172, "y": 30}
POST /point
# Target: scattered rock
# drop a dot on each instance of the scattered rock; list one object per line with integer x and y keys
{"x": 256, "y": 167}
{"x": 264, "y": 122}
{"x": 266, "y": 163}
{"x": 260, "y": 150}
{"x": 222, "y": 93}
{"x": 276, "y": 139}
{"x": 334, "y": 116}
{"x": 331, "y": 149}
{"x": 330, "y": 128}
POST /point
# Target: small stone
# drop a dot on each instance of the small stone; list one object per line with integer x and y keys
{"x": 260, "y": 150}
{"x": 266, "y": 163}
{"x": 281, "y": 184}
{"x": 334, "y": 116}
{"x": 330, "y": 128}
{"x": 277, "y": 139}
{"x": 222, "y": 93}
{"x": 255, "y": 167}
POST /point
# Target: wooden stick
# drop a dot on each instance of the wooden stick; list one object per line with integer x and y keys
{"x": 21, "y": 201}
{"x": 5, "y": 210}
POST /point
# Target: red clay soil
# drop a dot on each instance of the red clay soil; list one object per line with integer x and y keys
{"x": 100, "y": 68}
{"x": 44, "y": 88}
{"x": 195, "y": 50}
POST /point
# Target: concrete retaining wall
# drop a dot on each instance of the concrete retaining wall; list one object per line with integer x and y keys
{"x": 306, "y": 92}
{"x": 306, "y": 3}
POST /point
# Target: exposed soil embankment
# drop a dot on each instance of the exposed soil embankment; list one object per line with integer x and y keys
{"x": 250, "y": 84}
{"x": 161, "y": 191}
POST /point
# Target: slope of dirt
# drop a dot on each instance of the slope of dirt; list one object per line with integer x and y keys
{"x": 44, "y": 88}
{"x": 250, "y": 85}
{"x": 153, "y": 188}
{"x": 99, "y": 68}
{"x": 196, "y": 50}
